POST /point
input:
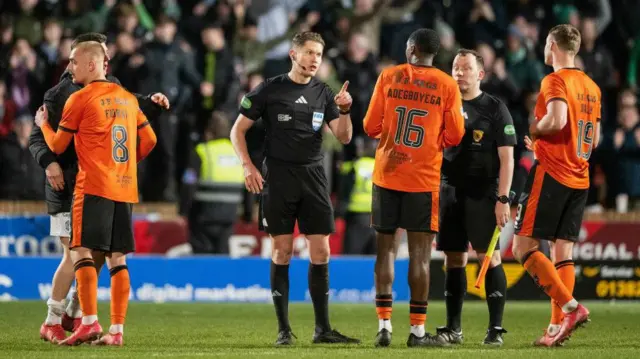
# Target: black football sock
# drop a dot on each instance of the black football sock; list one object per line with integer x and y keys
{"x": 280, "y": 294}
{"x": 496, "y": 291}
{"x": 455, "y": 290}
{"x": 319, "y": 290}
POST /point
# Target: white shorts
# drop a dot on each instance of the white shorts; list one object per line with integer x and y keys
{"x": 61, "y": 225}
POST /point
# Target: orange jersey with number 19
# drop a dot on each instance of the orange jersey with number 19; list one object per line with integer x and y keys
{"x": 565, "y": 154}
{"x": 105, "y": 119}
{"x": 415, "y": 111}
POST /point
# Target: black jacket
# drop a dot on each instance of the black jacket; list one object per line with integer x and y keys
{"x": 20, "y": 176}
{"x": 55, "y": 99}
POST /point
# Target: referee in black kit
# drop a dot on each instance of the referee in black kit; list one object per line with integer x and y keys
{"x": 293, "y": 185}
{"x": 474, "y": 196}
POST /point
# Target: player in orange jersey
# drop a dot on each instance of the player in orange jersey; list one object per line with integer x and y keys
{"x": 566, "y": 130}
{"x": 105, "y": 122}
{"x": 415, "y": 111}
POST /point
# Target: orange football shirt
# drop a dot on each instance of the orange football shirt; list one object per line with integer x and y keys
{"x": 565, "y": 154}
{"x": 415, "y": 111}
{"x": 105, "y": 119}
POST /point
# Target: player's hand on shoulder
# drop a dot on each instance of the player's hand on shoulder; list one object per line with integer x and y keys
{"x": 343, "y": 99}
{"x": 161, "y": 100}
{"x": 42, "y": 116}
{"x": 253, "y": 180}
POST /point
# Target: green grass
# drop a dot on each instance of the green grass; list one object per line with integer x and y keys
{"x": 248, "y": 330}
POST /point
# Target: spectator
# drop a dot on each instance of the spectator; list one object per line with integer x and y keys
{"x": 525, "y": 69}
{"x": 21, "y": 178}
{"x": 27, "y": 25}
{"x": 163, "y": 66}
{"x": 626, "y": 144}
{"x": 215, "y": 63}
{"x": 7, "y": 111}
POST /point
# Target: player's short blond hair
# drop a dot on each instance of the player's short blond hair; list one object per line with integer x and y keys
{"x": 93, "y": 48}
{"x": 301, "y": 38}
{"x": 567, "y": 37}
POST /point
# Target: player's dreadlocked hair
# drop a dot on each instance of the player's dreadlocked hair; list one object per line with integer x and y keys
{"x": 426, "y": 41}
{"x": 89, "y": 36}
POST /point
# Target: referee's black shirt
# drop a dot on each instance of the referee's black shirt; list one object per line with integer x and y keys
{"x": 293, "y": 115}
{"x": 488, "y": 125}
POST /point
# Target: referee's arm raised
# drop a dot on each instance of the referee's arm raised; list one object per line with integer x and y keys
{"x": 343, "y": 128}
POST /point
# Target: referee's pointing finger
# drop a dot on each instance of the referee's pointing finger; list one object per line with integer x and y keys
{"x": 344, "y": 87}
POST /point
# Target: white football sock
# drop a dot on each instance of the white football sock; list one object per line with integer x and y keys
{"x": 89, "y": 319}
{"x": 73, "y": 308}
{"x": 116, "y": 328}
{"x": 418, "y": 330}
{"x": 553, "y": 329}
{"x": 384, "y": 324}
{"x": 54, "y": 312}
{"x": 570, "y": 307}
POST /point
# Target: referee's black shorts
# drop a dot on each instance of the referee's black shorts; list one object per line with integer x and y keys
{"x": 466, "y": 216}
{"x": 295, "y": 192}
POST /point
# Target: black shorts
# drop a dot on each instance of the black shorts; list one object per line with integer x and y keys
{"x": 101, "y": 224}
{"x": 413, "y": 211}
{"x": 549, "y": 210}
{"x": 295, "y": 192}
{"x": 466, "y": 217}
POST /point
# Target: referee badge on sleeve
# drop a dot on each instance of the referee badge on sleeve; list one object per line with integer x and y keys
{"x": 318, "y": 117}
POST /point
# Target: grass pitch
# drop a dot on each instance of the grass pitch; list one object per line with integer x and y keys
{"x": 249, "y": 330}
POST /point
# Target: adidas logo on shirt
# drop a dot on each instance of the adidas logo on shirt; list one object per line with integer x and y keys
{"x": 301, "y": 99}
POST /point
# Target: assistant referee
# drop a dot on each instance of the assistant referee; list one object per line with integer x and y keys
{"x": 474, "y": 196}
{"x": 294, "y": 108}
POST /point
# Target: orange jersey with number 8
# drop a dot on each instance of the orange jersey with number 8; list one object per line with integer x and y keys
{"x": 105, "y": 119}
{"x": 415, "y": 111}
{"x": 565, "y": 154}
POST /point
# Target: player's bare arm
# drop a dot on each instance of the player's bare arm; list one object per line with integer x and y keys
{"x": 503, "y": 211}
{"x": 553, "y": 121}
{"x": 253, "y": 180}
{"x": 343, "y": 128}
{"x": 375, "y": 114}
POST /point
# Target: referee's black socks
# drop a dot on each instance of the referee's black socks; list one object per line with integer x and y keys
{"x": 495, "y": 287}
{"x": 280, "y": 294}
{"x": 319, "y": 290}
{"x": 455, "y": 290}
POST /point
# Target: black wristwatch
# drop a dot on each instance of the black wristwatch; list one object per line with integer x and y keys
{"x": 503, "y": 199}
{"x": 345, "y": 112}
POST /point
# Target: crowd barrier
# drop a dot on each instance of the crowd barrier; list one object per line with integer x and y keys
{"x": 221, "y": 279}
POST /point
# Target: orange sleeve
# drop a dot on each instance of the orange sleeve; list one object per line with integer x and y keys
{"x": 57, "y": 141}
{"x": 146, "y": 136}
{"x": 375, "y": 114}
{"x": 553, "y": 88}
{"x": 453, "y": 120}
{"x": 599, "y": 107}
{"x": 72, "y": 114}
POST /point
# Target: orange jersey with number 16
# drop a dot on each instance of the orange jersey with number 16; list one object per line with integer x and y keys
{"x": 415, "y": 111}
{"x": 104, "y": 119}
{"x": 565, "y": 154}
